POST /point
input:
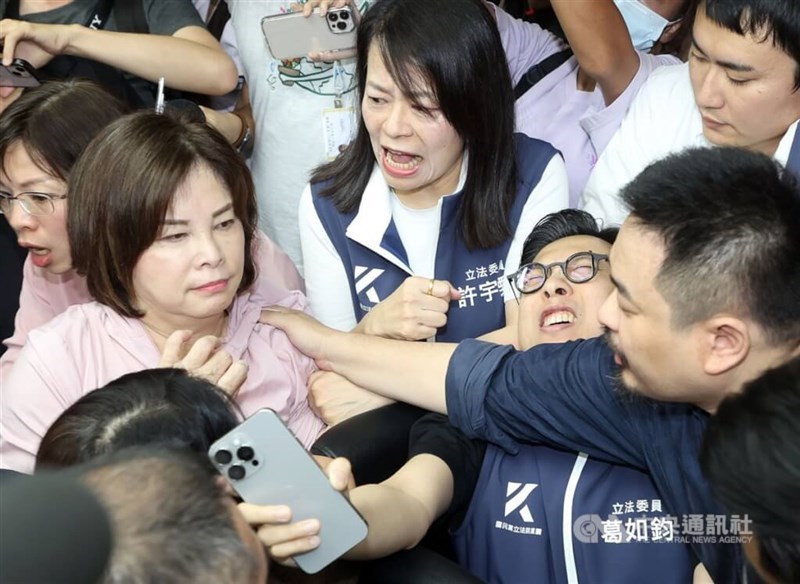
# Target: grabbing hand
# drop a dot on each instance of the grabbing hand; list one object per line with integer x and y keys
{"x": 205, "y": 360}
{"x": 335, "y": 399}
{"x": 36, "y": 43}
{"x": 283, "y": 539}
{"x": 413, "y": 312}
{"x": 306, "y": 333}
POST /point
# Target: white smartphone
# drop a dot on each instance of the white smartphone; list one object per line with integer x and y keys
{"x": 292, "y": 35}
{"x": 267, "y": 465}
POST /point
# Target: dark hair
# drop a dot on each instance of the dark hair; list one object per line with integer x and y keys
{"x": 681, "y": 41}
{"x": 564, "y": 223}
{"x": 163, "y": 406}
{"x": 170, "y": 517}
{"x": 775, "y": 20}
{"x": 123, "y": 187}
{"x": 730, "y": 223}
{"x": 455, "y": 47}
{"x": 56, "y": 121}
{"x": 751, "y": 457}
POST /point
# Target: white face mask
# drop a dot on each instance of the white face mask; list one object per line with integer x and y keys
{"x": 644, "y": 25}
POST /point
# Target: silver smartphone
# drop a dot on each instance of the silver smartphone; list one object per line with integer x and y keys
{"x": 267, "y": 465}
{"x": 18, "y": 74}
{"x": 292, "y": 35}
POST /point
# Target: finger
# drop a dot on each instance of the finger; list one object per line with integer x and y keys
{"x": 9, "y": 46}
{"x": 213, "y": 369}
{"x": 441, "y": 289}
{"x": 200, "y": 352}
{"x": 422, "y": 332}
{"x": 314, "y": 377}
{"x": 284, "y": 551}
{"x": 432, "y": 319}
{"x": 234, "y": 377}
{"x": 273, "y": 315}
{"x": 265, "y": 514}
{"x": 173, "y": 348}
{"x": 271, "y": 535}
{"x": 454, "y": 293}
{"x": 339, "y": 471}
{"x": 434, "y": 304}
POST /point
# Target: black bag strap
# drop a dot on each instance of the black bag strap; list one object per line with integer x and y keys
{"x": 217, "y": 18}
{"x": 99, "y": 19}
{"x": 131, "y": 17}
{"x": 540, "y": 70}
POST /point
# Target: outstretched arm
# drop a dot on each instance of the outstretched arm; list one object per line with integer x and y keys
{"x": 601, "y": 43}
{"x": 400, "y": 510}
{"x": 400, "y": 370}
{"x": 190, "y": 60}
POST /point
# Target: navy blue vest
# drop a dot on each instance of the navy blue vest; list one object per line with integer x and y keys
{"x": 793, "y": 162}
{"x": 478, "y": 273}
{"x": 515, "y": 526}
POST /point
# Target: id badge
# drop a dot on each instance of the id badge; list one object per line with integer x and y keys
{"x": 338, "y": 124}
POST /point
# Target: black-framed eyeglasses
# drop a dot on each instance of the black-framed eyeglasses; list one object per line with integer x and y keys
{"x": 578, "y": 268}
{"x": 32, "y": 203}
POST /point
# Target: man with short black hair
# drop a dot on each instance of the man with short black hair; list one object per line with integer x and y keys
{"x": 741, "y": 87}
{"x": 172, "y": 520}
{"x": 718, "y": 225}
{"x": 755, "y": 433}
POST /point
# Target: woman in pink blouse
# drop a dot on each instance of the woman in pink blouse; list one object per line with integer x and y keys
{"x": 42, "y": 134}
{"x": 162, "y": 221}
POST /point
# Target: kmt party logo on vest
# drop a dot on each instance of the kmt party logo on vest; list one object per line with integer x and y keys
{"x": 516, "y": 507}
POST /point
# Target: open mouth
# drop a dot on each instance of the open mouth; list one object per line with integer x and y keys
{"x": 400, "y": 161}
{"x": 557, "y": 317}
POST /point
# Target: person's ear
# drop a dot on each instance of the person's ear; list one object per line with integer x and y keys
{"x": 728, "y": 344}
{"x": 670, "y": 31}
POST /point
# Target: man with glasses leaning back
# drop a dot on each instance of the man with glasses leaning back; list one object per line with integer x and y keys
{"x": 706, "y": 274}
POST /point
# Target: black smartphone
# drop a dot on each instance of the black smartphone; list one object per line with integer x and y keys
{"x": 19, "y": 74}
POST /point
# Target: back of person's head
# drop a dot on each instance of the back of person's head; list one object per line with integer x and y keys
{"x": 751, "y": 457}
{"x": 454, "y": 48}
{"x": 561, "y": 224}
{"x": 729, "y": 220}
{"x": 56, "y": 121}
{"x": 773, "y": 21}
{"x": 154, "y": 406}
{"x": 123, "y": 187}
{"x": 171, "y": 520}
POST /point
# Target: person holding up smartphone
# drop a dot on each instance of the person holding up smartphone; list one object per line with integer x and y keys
{"x": 303, "y": 108}
{"x": 63, "y": 35}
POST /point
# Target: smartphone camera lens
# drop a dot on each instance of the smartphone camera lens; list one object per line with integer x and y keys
{"x": 245, "y": 453}
{"x": 333, "y": 16}
{"x": 341, "y": 25}
{"x": 223, "y": 456}
{"x": 236, "y": 472}
{"x": 344, "y": 15}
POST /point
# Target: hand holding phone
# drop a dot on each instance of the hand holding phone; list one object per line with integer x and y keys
{"x": 268, "y": 466}
{"x": 283, "y": 537}
{"x": 293, "y": 35}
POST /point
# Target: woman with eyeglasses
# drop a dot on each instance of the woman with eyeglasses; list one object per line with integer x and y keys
{"x": 542, "y": 515}
{"x": 162, "y": 224}
{"x": 42, "y": 135}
